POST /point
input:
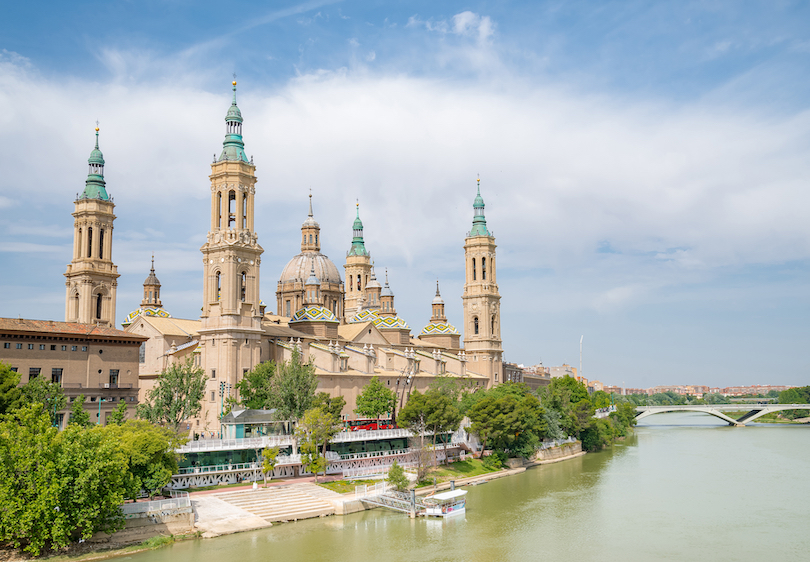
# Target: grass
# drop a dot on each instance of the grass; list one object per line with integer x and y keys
{"x": 455, "y": 471}
{"x": 344, "y": 486}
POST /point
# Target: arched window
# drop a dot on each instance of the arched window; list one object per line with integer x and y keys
{"x": 219, "y": 285}
{"x": 492, "y": 331}
{"x": 244, "y": 210}
{"x": 150, "y": 297}
{"x": 243, "y": 285}
{"x": 80, "y": 244}
{"x": 351, "y": 283}
{"x": 473, "y": 268}
{"x": 310, "y": 239}
{"x": 90, "y": 242}
{"x": 101, "y": 244}
{"x": 475, "y": 325}
{"x": 219, "y": 209}
{"x": 316, "y": 238}
{"x": 231, "y": 209}
{"x": 98, "y": 306}
{"x": 483, "y": 269}
{"x": 358, "y": 282}
{"x": 75, "y": 306}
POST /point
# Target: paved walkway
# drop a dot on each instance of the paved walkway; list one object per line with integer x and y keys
{"x": 245, "y": 509}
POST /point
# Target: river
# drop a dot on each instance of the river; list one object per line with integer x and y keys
{"x": 683, "y": 487}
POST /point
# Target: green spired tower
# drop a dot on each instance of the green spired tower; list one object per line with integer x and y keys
{"x": 92, "y": 277}
{"x": 481, "y": 299}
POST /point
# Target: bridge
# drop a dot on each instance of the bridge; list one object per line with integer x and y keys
{"x": 756, "y": 411}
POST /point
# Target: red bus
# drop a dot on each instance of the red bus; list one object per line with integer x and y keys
{"x": 369, "y": 425}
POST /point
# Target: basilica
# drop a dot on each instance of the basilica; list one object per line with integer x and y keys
{"x": 345, "y": 323}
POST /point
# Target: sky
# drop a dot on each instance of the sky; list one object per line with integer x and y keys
{"x": 645, "y": 165}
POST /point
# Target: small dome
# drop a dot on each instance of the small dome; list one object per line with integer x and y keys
{"x": 132, "y": 316}
{"x": 310, "y": 223}
{"x": 152, "y": 279}
{"x": 298, "y": 269}
{"x": 313, "y": 313}
{"x": 438, "y": 299}
{"x": 439, "y": 328}
{"x": 233, "y": 112}
{"x": 96, "y": 157}
{"x": 373, "y": 283}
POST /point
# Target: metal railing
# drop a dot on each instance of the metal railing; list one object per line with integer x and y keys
{"x": 177, "y": 501}
{"x": 227, "y": 444}
{"x": 372, "y": 454}
{"x": 371, "y": 435}
{"x": 374, "y": 470}
{"x": 366, "y": 491}
{"x": 234, "y": 467}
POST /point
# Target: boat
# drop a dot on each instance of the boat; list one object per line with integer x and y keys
{"x": 446, "y": 504}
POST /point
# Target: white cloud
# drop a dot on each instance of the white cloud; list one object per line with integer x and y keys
{"x": 467, "y": 24}
{"x": 672, "y": 195}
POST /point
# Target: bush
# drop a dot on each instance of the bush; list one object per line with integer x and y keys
{"x": 397, "y": 478}
{"x": 495, "y": 461}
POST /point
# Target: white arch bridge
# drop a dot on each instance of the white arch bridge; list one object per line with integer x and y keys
{"x": 756, "y": 410}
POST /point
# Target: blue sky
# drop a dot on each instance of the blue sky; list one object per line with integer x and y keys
{"x": 645, "y": 164}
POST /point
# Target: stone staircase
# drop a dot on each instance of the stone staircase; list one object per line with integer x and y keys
{"x": 284, "y": 503}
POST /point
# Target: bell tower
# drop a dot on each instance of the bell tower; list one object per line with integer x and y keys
{"x": 358, "y": 269}
{"x": 92, "y": 277}
{"x": 481, "y": 300}
{"x": 231, "y": 317}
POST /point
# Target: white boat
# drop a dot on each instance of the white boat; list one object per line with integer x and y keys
{"x": 445, "y": 504}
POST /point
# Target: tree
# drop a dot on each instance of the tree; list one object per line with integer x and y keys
{"x": 269, "y": 459}
{"x": 414, "y": 416}
{"x": 149, "y": 452}
{"x": 10, "y": 393}
{"x": 78, "y": 415}
{"x": 293, "y": 388}
{"x": 397, "y": 478}
{"x": 118, "y": 415}
{"x": 331, "y": 404}
{"x": 56, "y": 486}
{"x": 600, "y": 399}
{"x": 255, "y": 388}
{"x": 375, "y": 400}
{"x": 47, "y": 393}
{"x": 316, "y": 429}
{"x": 443, "y": 416}
{"x": 512, "y": 423}
{"x": 176, "y": 398}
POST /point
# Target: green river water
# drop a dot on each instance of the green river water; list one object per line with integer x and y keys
{"x": 683, "y": 487}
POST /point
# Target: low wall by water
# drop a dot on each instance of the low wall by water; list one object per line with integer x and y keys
{"x": 555, "y": 454}
{"x": 141, "y": 526}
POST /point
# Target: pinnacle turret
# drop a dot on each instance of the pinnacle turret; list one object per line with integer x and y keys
{"x": 95, "y": 187}
{"x": 233, "y": 148}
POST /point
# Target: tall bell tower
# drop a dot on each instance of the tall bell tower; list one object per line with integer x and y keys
{"x": 92, "y": 277}
{"x": 231, "y": 318}
{"x": 358, "y": 270}
{"x": 481, "y": 300}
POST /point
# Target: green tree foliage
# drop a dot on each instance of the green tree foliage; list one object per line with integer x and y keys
{"x": 149, "y": 452}
{"x": 118, "y": 415}
{"x": 570, "y": 398}
{"x": 56, "y": 487}
{"x": 10, "y": 393}
{"x": 255, "y": 388}
{"x": 314, "y": 431}
{"x": 597, "y": 434}
{"x": 509, "y": 420}
{"x": 443, "y": 415}
{"x": 176, "y": 398}
{"x": 414, "y": 417}
{"x": 332, "y": 404}
{"x": 375, "y": 400}
{"x": 269, "y": 459}
{"x": 47, "y": 393}
{"x": 397, "y": 478}
{"x": 78, "y": 415}
{"x": 800, "y": 395}
{"x": 293, "y": 388}
{"x": 600, "y": 399}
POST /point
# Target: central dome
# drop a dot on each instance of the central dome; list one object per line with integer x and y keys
{"x": 299, "y": 268}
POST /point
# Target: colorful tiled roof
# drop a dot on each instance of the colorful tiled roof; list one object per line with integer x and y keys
{"x": 132, "y": 316}
{"x": 313, "y": 313}
{"x": 384, "y": 323}
{"x": 435, "y": 328}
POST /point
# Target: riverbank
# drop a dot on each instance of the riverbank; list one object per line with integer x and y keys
{"x": 214, "y": 516}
